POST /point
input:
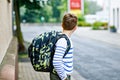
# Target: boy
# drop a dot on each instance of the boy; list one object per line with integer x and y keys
{"x": 64, "y": 66}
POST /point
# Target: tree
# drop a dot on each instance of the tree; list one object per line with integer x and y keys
{"x": 31, "y": 16}
{"x": 55, "y": 10}
{"x": 86, "y": 11}
{"x": 18, "y": 29}
{"x": 91, "y": 7}
{"x": 52, "y": 12}
{"x": 30, "y": 4}
{"x": 63, "y": 7}
{"x": 46, "y": 12}
{"x": 36, "y": 15}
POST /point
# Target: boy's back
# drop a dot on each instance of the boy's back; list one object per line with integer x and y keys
{"x": 64, "y": 66}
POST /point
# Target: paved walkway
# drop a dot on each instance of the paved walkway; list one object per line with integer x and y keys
{"x": 101, "y": 35}
{"x": 26, "y": 71}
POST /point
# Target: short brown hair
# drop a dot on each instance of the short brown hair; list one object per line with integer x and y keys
{"x": 69, "y": 21}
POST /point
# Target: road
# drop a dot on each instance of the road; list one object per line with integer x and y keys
{"x": 96, "y": 60}
{"x": 93, "y": 59}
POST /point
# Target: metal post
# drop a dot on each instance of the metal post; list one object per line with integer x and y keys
{"x": 109, "y": 14}
{"x": 82, "y": 6}
{"x": 68, "y": 5}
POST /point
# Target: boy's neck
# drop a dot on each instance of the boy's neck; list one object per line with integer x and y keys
{"x": 67, "y": 32}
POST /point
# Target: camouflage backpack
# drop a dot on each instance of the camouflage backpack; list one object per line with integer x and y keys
{"x": 41, "y": 50}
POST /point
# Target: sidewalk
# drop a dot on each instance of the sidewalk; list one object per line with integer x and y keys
{"x": 26, "y": 72}
{"x": 101, "y": 35}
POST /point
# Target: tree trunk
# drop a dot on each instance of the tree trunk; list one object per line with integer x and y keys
{"x": 19, "y": 35}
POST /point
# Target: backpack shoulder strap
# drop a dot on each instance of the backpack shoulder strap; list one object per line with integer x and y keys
{"x": 68, "y": 43}
{"x": 68, "y": 46}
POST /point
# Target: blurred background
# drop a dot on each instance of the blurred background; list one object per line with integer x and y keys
{"x": 96, "y": 41}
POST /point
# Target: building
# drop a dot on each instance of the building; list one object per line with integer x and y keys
{"x": 90, "y": 18}
{"x": 101, "y": 16}
{"x": 8, "y": 54}
{"x": 110, "y": 13}
{"x": 114, "y": 14}
{"x": 5, "y": 26}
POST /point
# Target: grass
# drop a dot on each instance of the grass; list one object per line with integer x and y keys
{"x": 23, "y": 55}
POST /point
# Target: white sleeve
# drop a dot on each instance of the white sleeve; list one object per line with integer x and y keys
{"x": 60, "y": 49}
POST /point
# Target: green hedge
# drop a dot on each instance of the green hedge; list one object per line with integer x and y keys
{"x": 97, "y": 25}
{"x": 83, "y": 23}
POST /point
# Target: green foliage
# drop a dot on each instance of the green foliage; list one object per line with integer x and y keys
{"x": 83, "y": 23}
{"x": 35, "y": 4}
{"x": 112, "y": 27}
{"x": 55, "y": 10}
{"x": 105, "y": 25}
{"x": 100, "y": 25}
{"x": 23, "y": 55}
{"x": 86, "y": 11}
{"x": 96, "y": 25}
{"x": 31, "y": 16}
{"x": 63, "y": 8}
{"x": 52, "y": 12}
{"x": 34, "y": 16}
{"x": 81, "y": 18}
{"x": 59, "y": 7}
{"x": 52, "y": 20}
{"x": 46, "y": 12}
{"x": 22, "y": 10}
{"x": 91, "y": 7}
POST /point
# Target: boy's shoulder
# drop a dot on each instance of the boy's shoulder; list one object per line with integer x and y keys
{"x": 62, "y": 42}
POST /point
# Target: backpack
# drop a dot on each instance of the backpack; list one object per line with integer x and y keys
{"x": 42, "y": 49}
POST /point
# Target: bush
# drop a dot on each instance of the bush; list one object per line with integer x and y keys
{"x": 96, "y": 25}
{"x": 105, "y": 25}
{"x": 81, "y": 18}
{"x": 113, "y": 28}
{"x": 83, "y": 23}
{"x": 52, "y": 20}
{"x": 100, "y": 25}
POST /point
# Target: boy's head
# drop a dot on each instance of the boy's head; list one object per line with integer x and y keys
{"x": 69, "y": 21}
